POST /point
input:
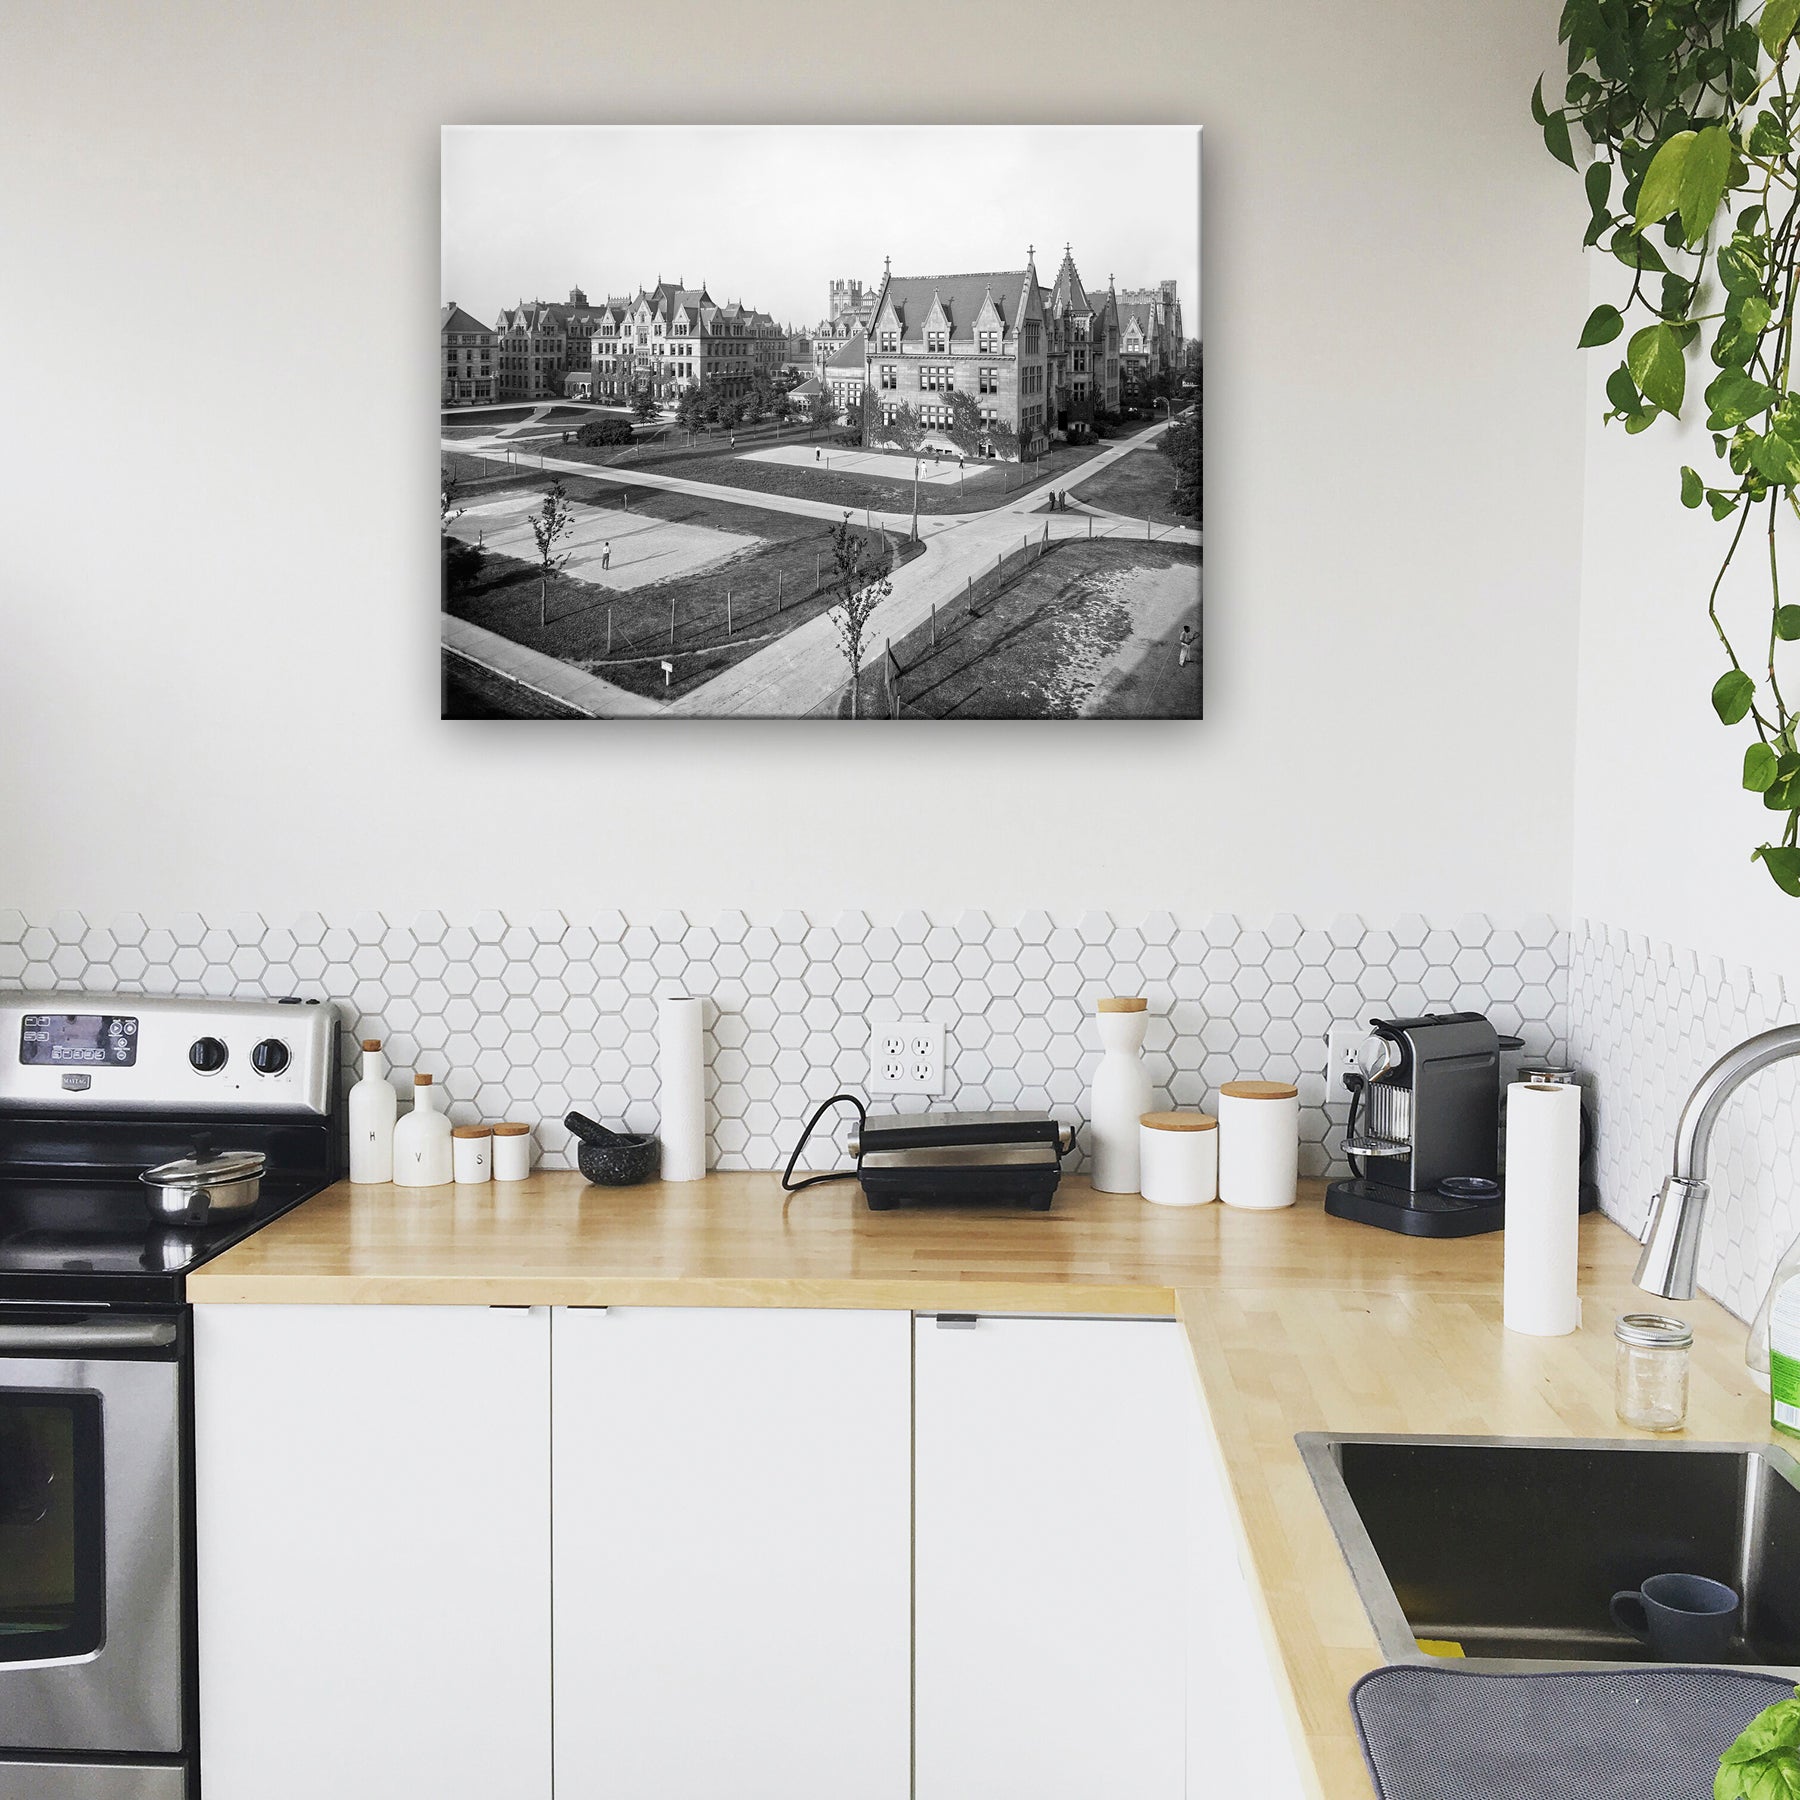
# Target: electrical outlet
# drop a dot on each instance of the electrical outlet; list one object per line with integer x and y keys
{"x": 906, "y": 1056}
{"x": 1342, "y": 1042}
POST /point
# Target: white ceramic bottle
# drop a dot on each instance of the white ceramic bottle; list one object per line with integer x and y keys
{"x": 1120, "y": 1095}
{"x": 422, "y": 1156}
{"x": 373, "y": 1108}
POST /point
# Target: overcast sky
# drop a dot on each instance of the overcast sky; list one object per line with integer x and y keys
{"x": 769, "y": 214}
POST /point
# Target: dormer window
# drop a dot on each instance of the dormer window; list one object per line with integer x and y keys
{"x": 890, "y": 343}
{"x": 937, "y": 342}
{"x": 988, "y": 342}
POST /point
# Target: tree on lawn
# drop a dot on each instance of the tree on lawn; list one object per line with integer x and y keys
{"x": 1005, "y": 441}
{"x": 690, "y": 408}
{"x": 452, "y": 492}
{"x": 552, "y": 522}
{"x": 861, "y": 586}
{"x": 965, "y": 424}
{"x": 462, "y": 562}
{"x": 822, "y": 409}
{"x": 780, "y": 405}
{"x": 1181, "y": 445}
{"x": 903, "y": 428}
{"x": 643, "y": 403}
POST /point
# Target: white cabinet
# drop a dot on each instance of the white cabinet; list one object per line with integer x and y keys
{"x": 732, "y": 1554}
{"x": 1051, "y": 1553}
{"x": 373, "y": 1496}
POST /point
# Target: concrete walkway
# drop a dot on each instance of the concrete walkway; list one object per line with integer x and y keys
{"x": 804, "y": 672}
{"x": 546, "y": 675}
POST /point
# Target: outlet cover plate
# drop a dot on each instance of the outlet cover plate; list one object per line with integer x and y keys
{"x": 906, "y": 1056}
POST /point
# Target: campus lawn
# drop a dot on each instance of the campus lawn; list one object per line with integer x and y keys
{"x": 1043, "y": 647}
{"x": 492, "y": 417}
{"x": 1140, "y": 484}
{"x": 771, "y": 588}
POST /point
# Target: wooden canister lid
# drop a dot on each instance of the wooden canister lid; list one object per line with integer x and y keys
{"x": 472, "y": 1131}
{"x": 371, "y": 1043}
{"x": 1260, "y": 1090}
{"x": 1122, "y": 1003}
{"x": 1179, "y": 1121}
{"x": 421, "y": 1081}
{"x": 511, "y": 1128}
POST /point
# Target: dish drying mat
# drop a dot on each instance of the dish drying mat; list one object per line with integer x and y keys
{"x": 1603, "y": 1734}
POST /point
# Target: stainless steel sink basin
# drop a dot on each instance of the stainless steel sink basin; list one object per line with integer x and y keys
{"x": 1513, "y": 1547}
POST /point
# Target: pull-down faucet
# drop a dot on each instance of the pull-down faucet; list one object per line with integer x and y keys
{"x": 1671, "y": 1235}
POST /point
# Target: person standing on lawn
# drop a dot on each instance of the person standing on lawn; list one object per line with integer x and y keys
{"x": 1187, "y": 646}
{"x": 606, "y": 554}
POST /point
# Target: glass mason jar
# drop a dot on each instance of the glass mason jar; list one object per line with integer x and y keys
{"x": 1650, "y": 1371}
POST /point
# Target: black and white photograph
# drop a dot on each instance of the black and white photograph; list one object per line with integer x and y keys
{"x": 887, "y": 422}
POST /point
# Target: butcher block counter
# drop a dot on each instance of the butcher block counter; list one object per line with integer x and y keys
{"x": 1297, "y": 1322}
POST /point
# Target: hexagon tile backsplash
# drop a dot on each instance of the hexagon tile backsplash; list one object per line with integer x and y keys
{"x": 527, "y": 1016}
{"x": 1647, "y": 1020}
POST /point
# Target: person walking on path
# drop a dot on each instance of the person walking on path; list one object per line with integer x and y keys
{"x": 815, "y": 452}
{"x": 606, "y": 554}
{"x": 1187, "y": 646}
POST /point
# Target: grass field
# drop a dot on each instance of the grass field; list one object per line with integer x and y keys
{"x": 1141, "y": 484}
{"x": 1081, "y": 632}
{"x": 766, "y": 591}
{"x": 491, "y": 417}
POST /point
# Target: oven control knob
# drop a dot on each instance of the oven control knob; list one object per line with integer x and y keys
{"x": 207, "y": 1055}
{"x": 269, "y": 1057}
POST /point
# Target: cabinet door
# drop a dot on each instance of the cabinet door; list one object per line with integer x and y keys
{"x": 1050, "y": 1560}
{"x": 373, "y": 1495}
{"x": 732, "y": 1554}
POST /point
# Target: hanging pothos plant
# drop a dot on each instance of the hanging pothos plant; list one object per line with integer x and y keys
{"x": 1695, "y": 188}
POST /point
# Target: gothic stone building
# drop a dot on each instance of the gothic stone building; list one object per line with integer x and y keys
{"x": 1150, "y": 335}
{"x": 671, "y": 337}
{"x": 1083, "y": 337}
{"x": 468, "y": 358}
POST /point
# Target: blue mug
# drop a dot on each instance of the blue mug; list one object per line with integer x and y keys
{"x": 1683, "y": 1618}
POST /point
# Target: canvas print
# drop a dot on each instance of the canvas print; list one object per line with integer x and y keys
{"x": 852, "y": 423}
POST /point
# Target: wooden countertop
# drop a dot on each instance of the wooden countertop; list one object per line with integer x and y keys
{"x": 1297, "y": 1322}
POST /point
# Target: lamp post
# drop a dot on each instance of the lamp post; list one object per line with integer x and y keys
{"x": 915, "y": 529}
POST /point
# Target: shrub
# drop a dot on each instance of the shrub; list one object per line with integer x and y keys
{"x": 605, "y": 431}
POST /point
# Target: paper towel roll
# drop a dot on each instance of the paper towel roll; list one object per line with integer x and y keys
{"x": 682, "y": 1100}
{"x": 1543, "y": 1208}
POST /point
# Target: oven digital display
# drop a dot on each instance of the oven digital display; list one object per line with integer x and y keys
{"x": 78, "y": 1040}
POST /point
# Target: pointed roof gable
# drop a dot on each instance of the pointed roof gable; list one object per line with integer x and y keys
{"x": 910, "y": 300}
{"x": 1068, "y": 295}
{"x": 853, "y": 355}
{"x": 453, "y": 318}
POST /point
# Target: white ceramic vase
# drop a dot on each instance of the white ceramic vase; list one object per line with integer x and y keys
{"x": 1120, "y": 1096}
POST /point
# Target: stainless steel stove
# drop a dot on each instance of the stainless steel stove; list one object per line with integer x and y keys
{"x": 97, "y": 1655}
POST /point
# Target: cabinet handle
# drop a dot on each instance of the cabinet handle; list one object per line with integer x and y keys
{"x": 956, "y": 1321}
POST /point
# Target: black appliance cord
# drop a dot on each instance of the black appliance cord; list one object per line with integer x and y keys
{"x": 788, "y": 1184}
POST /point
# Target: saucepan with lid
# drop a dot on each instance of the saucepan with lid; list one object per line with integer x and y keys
{"x": 194, "y": 1190}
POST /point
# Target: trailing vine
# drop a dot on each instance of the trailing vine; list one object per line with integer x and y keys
{"x": 1695, "y": 188}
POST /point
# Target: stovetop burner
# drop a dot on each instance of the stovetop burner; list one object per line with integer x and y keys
{"x": 55, "y": 1233}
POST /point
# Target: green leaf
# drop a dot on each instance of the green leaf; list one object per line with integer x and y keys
{"x": 1731, "y": 696}
{"x": 1735, "y": 397}
{"x": 1621, "y": 390}
{"x": 1693, "y": 489}
{"x": 1598, "y": 183}
{"x": 1723, "y": 504}
{"x": 1704, "y": 173}
{"x": 1604, "y": 324}
{"x": 1654, "y": 358}
{"x": 1760, "y": 768}
{"x": 1777, "y": 1775}
{"x": 1776, "y": 457}
{"x": 1740, "y": 263}
{"x": 1556, "y": 139}
{"x": 1787, "y": 623}
{"x": 1659, "y": 194}
{"x": 1776, "y": 26}
{"x": 1538, "y": 110}
{"x": 1754, "y": 312}
{"x": 1768, "y": 136}
{"x": 1636, "y": 251}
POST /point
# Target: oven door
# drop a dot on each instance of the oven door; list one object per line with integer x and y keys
{"x": 91, "y": 1563}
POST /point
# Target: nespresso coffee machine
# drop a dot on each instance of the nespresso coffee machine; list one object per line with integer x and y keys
{"x": 1424, "y": 1133}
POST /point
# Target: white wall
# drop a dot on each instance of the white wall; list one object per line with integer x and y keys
{"x": 1663, "y": 830}
{"x": 219, "y": 684}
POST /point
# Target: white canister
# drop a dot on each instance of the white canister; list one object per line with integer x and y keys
{"x": 1178, "y": 1158}
{"x": 472, "y": 1153}
{"x": 1120, "y": 1095}
{"x": 512, "y": 1151}
{"x": 1259, "y": 1143}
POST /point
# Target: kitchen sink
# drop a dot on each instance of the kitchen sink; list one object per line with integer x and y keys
{"x": 1512, "y": 1548}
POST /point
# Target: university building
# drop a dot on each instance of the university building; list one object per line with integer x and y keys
{"x": 1150, "y": 335}
{"x": 468, "y": 351}
{"x": 671, "y": 337}
{"x": 1037, "y": 361}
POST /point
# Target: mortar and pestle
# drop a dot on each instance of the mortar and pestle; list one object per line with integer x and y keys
{"x": 613, "y": 1158}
